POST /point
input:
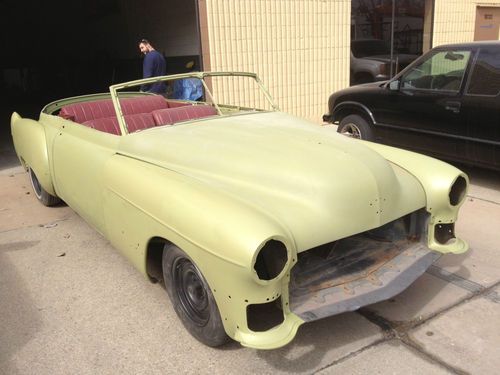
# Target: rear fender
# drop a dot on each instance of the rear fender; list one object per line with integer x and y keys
{"x": 31, "y": 148}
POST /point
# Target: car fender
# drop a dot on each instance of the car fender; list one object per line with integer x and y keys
{"x": 31, "y": 148}
{"x": 437, "y": 179}
{"x": 188, "y": 210}
{"x": 351, "y": 107}
{"x": 219, "y": 232}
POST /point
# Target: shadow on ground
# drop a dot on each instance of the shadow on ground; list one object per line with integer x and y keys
{"x": 21, "y": 319}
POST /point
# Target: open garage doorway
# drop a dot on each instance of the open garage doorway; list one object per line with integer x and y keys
{"x": 57, "y": 49}
{"x": 65, "y": 48}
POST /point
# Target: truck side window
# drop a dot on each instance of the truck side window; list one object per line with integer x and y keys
{"x": 443, "y": 71}
{"x": 485, "y": 77}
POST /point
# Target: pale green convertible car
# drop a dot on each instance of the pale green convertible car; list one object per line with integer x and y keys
{"x": 255, "y": 220}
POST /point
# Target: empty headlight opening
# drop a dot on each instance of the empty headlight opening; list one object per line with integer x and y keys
{"x": 457, "y": 191}
{"x": 271, "y": 260}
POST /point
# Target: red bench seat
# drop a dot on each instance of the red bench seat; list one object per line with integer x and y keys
{"x": 87, "y": 111}
{"x": 134, "y": 123}
{"x": 170, "y": 116}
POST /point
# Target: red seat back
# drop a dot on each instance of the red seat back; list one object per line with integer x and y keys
{"x": 110, "y": 124}
{"x": 170, "y": 116}
{"x": 86, "y": 111}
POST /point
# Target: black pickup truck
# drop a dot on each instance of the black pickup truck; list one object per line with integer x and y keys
{"x": 446, "y": 103}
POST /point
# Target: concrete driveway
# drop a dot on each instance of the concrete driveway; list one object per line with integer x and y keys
{"x": 70, "y": 304}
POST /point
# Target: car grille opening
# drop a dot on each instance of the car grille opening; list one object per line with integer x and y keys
{"x": 264, "y": 316}
{"x": 332, "y": 278}
{"x": 444, "y": 233}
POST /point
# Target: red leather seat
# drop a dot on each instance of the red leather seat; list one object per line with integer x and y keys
{"x": 110, "y": 124}
{"x": 170, "y": 116}
{"x": 87, "y": 111}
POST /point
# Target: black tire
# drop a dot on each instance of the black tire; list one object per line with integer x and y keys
{"x": 356, "y": 126}
{"x": 192, "y": 298}
{"x": 40, "y": 193}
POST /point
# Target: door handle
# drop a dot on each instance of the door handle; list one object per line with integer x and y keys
{"x": 453, "y": 106}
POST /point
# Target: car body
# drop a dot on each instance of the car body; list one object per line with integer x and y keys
{"x": 371, "y": 61}
{"x": 446, "y": 104}
{"x": 257, "y": 221}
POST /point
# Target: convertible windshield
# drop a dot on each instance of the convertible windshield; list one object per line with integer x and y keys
{"x": 225, "y": 90}
{"x": 188, "y": 97}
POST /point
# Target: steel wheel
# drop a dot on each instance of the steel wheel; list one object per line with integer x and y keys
{"x": 191, "y": 297}
{"x": 35, "y": 184}
{"x": 41, "y": 194}
{"x": 191, "y": 291}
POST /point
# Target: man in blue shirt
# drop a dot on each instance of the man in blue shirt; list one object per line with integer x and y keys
{"x": 154, "y": 65}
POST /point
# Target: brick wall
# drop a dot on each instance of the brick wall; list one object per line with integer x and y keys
{"x": 300, "y": 49}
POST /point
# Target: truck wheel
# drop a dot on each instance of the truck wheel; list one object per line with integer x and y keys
{"x": 192, "y": 298}
{"x": 356, "y": 126}
{"x": 41, "y": 194}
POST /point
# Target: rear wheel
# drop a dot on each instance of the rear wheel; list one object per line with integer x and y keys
{"x": 41, "y": 194}
{"x": 357, "y": 127}
{"x": 192, "y": 298}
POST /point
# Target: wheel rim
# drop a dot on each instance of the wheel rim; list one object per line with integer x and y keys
{"x": 191, "y": 291}
{"x": 37, "y": 188}
{"x": 351, "y": 130}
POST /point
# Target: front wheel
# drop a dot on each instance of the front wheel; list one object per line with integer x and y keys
{"x": 41, "y": 194}
{"x": 357, "y": 127}
{"x": 192, "y": 298}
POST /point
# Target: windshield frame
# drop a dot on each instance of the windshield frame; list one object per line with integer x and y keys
{"x": 200, "y": 75}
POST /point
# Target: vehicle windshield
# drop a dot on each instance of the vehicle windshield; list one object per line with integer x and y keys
{"x": 179, "y": 98}
{"x": 225, "y": 91}
{"x": 364, "y": 48}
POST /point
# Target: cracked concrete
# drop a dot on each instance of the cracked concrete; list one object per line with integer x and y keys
{"x": 71, "y": 304}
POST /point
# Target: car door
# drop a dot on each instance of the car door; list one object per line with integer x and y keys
{"x": 425, "y": 112}
{"x": 481, "y": 106}
{"x": 79, "y": 155}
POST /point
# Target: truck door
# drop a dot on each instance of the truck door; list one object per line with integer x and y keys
{"x": 481, "y": 106}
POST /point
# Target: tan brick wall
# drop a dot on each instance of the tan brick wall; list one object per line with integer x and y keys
{"x": 454, "y": 20}
{"x": 299, "y": 48}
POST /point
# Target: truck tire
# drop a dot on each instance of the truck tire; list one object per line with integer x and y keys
{"x": 355, "y": 126}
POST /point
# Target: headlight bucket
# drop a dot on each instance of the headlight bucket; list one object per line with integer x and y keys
{"x": 457, "y": 191}
{"x": 270, "y": 261}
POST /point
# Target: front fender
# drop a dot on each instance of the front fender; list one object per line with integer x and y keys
{"x": 351, "y": 107}
{"x": 213, "y": 220}
{"x": 31, "y": 148}
{"x": 437, "y": 178}
{"x": 219, "y": 232}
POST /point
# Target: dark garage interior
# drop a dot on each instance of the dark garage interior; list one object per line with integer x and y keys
{"x": 51, "y": 50}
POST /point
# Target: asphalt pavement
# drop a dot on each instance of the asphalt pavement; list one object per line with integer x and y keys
{"x": 71, "y": 304}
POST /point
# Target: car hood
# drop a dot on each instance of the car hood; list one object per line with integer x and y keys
{"x": 319, "y": 185}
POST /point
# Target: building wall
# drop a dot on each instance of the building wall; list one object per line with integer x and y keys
{"x": 454, "y": 20}
{"x": 300, "y": 49}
